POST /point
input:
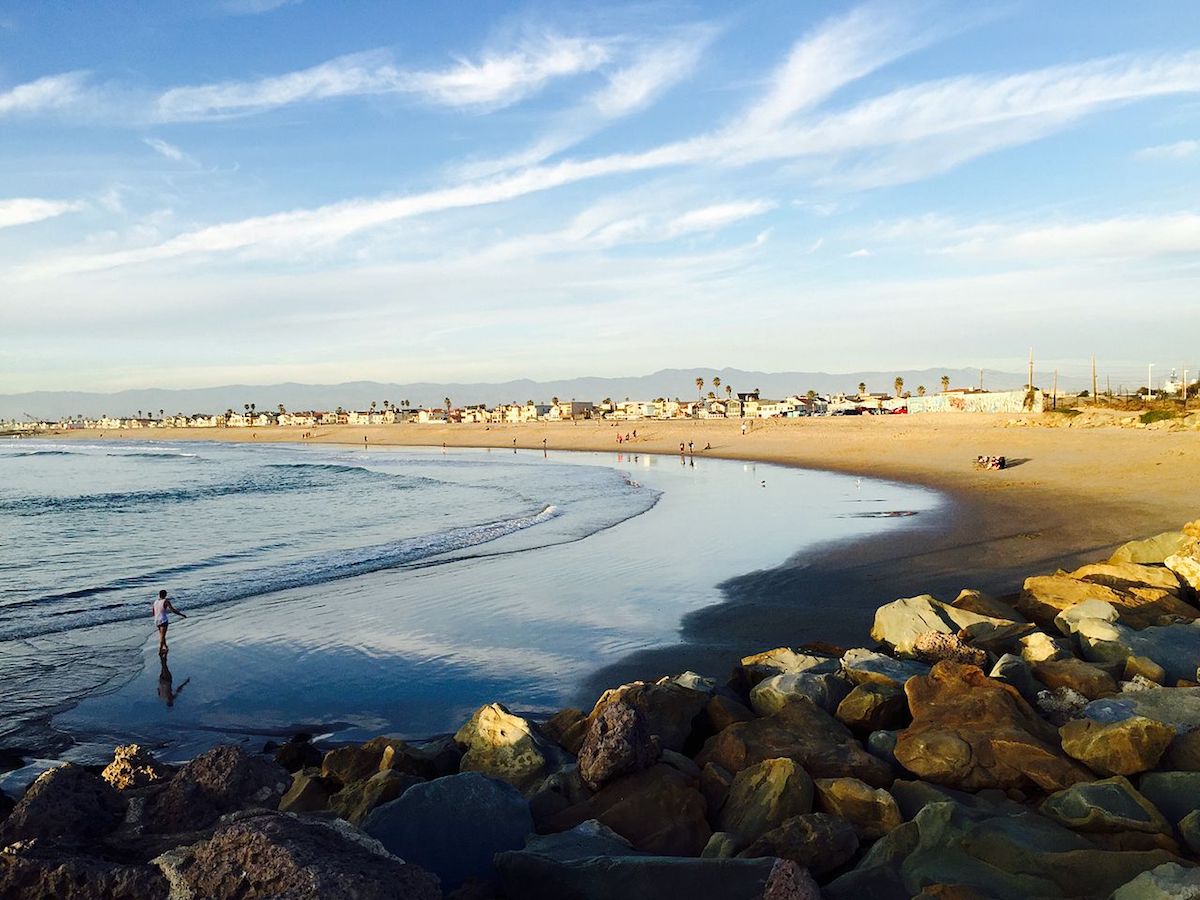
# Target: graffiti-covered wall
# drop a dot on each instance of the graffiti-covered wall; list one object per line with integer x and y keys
{"x": 992, "y": 402}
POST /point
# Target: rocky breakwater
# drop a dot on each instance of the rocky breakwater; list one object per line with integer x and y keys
{"x": 1045, "y": 744}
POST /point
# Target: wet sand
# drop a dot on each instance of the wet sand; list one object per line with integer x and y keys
{"x": 1070, "y": 497}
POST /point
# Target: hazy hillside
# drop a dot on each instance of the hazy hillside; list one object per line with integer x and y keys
{"x": 668, "y": 382}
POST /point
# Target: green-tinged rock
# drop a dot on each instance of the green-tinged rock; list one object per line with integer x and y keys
{"x": 763, "y": 796}
{"x": 506, "y": 746}
{"x": 356, "y": 800}
{"x": 913, "y": 796}
{"x": 722, "y": 845}
{"x": 1150, "y": 550}
{"x": 1077, "y": 675}
{"x": 309, "y": 792}
{"x": 874, "y": 707}
{"x": 357, "y": 761}
{"x": 1189, "y": 829}
{"x": 817, "y": 841}
{"x": 872, "y": 811}
{"x": 1177, "y": 707}
{"x": 1176, "y": 794}
{"x": 1125, "y": 575}
{"x": 868, "y": 667}
{"x": 826, "y": 690}
{"x": 971, "y": 732}
{"x": 1170, "y": 881}
{"x": 1111, "y": 805}
{"x": 1002, "y": 855}
{"x": 801, "y": 731}
{"x": 1118, "y": 748}
{"x": 715, "y": 782}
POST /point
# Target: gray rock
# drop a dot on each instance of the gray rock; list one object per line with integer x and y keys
{"x": 1061, "y": 705}
{"x": 826, "y": 689}
{"x": 868, "y": 667}
{"x": 1189, "y": 830}
{"x": 570, "y": 866}
{"x": 36, "y": 871}
{"x": 222, "y": 780}
{"x": 1177, "y": 707}
{"x": 1175, "y": 794}
{"x": 1110, "y": 805}
{"x": 453, "y": 826}
{"x": 617, "y": 743}
{"x": 1015, "y": 672}
{"x": 1170, "y": 881}
{"x": 882, "y": 745}
{"x": 67, "y": 804}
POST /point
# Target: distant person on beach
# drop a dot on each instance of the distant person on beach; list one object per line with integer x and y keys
{"x": 743, "y": 429}
{"x": 681, "y": 448}
{"x": 161, "y": 607}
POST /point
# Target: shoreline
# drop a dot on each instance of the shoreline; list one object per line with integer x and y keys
{"x": 1070, "y": 496}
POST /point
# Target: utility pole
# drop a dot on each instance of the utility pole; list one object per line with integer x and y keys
{"x": 1185, "y": 391}
{"x": 1029, "y": 384}
{"x": 981, "y": 379}
{"x": 1054, "y": 396}
{"x": 1149, "y": 381}
{"x": 1095, "y": 400}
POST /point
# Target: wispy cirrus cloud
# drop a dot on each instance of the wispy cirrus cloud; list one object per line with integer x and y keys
{"x": 1177, "y": 150}
{"x": 496, "y": 79}
{"x": 1118, "y": 237}
{"x": 255, "y": 7}
{"x": 26, "y": 210}
{"x": 167, "y": 150}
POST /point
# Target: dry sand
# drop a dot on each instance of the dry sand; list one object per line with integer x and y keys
{"x": 1072, "y": 495}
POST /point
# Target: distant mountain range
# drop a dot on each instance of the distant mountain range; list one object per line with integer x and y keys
{"x": 359, "y": 394}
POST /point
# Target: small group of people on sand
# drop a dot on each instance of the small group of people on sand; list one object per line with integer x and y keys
{"x": 990, "y": 462}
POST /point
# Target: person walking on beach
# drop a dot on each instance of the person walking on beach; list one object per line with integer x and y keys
{"x": 161, "y": 607}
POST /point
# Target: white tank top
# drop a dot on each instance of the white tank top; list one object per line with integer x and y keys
{"x": 160, "y": 611}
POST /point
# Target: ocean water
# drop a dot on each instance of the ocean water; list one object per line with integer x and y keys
{"x": 351, "y": 592}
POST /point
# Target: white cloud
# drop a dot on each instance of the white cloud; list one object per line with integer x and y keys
{"x": 655, "y": 69}
{"x": 25, "y": 210}
{"x": 170, "y": 151}
{"x": 711, "y": 218}
{"x": 860, "y": 253}
{"x": 255, "y": 7}
{"x": 1177, "y": 150}
{"x": 496, "y": 80}
{"x": 45, "y": 94}
{"x": 1123, "y": 237}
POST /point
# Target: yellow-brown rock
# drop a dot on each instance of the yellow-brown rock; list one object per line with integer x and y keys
{"x": 1091, "y": 681}
{"x": 872, "y": 811}
{"x": 1144, "y": 667}
{"x": 973, "y": 732}
{"x": 1123, "y": 576}
{"x": 1045, "y": 596}
{"x": 1119, "y": 748}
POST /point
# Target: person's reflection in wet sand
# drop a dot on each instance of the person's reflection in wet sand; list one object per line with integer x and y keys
{"x": 165, "y": 692}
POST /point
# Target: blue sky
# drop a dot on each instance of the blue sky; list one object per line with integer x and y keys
{"x": 257, "y": 191}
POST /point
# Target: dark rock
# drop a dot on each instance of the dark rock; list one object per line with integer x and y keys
{"x": 356, "y": 762}
{"x": 874, "y": 707}
{"x": 658, "y": 810}
{"x": 560, "y": 791}
{"x": 355, "y": 801}
{"x": 1170, "y": 881}
{"x": 434, "y": 759}
{"x": 567, "y": 728}
{"x": 310, "y": 792}
{"x": 1111, "y": 805}
{"x": 1016, "y": 673}
{"x": 298, "y": 753}
{"x": 670, "y": 709}
{"x": 222, "y": 780}
{"x": 818, "y": 842}
{"x": 281, "y": 855}
{"x": 762, "y": 797}
{"x": 826, "y": 689}
{"x": 582, "y": 866}
{"x": 800, "y": 731}
{"x": 618, "y": 742}
{"x": 453, "y": 826}
{"x": 1175, "y": 794}
{"x": 67, "y": 804}
{"x": 715, "y": 783}
{"x": 722, "y": 711}
{"x": 36, "y": 872}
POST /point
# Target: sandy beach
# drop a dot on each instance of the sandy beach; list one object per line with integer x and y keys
{"x": 1070, "y": 495}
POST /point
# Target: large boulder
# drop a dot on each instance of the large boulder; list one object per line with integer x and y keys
{"x": 36, "y": 872}
{"x": 762, "y": 796}
{"x": 971, "y": 732}
{"x": 506, "y": 746}
{"x": 1117, "y": 748}
{"x": 817, "y": 841}
{"x": 720, "y": 712}
{"x": 453, "y": 826}
{"x": 863, "y": 666}
{"x": 872, "y": 707}
{"x": 1177, "y": 707}
{"x": 826, "y": 689}
{"x": 900, "y": 623}
{"x": 617, "y": 743}
{"x": 133, "y": 767}
{"x": 779, "y": 661}
{"x": 1125, "y": 575}
{"x": 1043, "y": 597}
{"x": 355, "y": 762}
{"x": 803, "y": 732}
{"x": 986, "y": 605}
{"x": 219, "y": 781}
{"x": 997, "y": 853}
{"x": 1170, "y": 881}
{"x": 1111, "y": 805}
{"x": 282, "y": 855}
{"x": 310, "y": 792}
{"x": 872, "y": 811}
{"x": 670, "y": 709}
{"x": 1187, "y": 570}
{"x": 1010, "y": 669}
{"x": 589, "y": 864}
{"x": 658, "y": 810}
{"x": 1175, "y": 648}
{"x": 66, "y": 804}
{"x": 298, "y": 753}
{"x": 1150, "y": 551}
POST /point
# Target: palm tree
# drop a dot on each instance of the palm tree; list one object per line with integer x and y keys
{"x": 811, "y": 399}
{"x": 373, "y": 405}
{"x": 920, "y": 390}
{"x": 160, "y": 413}
{"x": 139, "y": 413}
{"x": 945, "y": 383}
{"x": 700, "y": 387}
{"x": 712, "y": 395}
{"x": 554, "y": 400}
{"x": 862, "y": 388}
{"x": 728, "y": 391}
{"x": 282, "y": 409}
{"x": 716, "y": 382}
{"x": 898, "y": 384}
{"x": 446, "y": 400}
{"x": 407, "y": 403}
